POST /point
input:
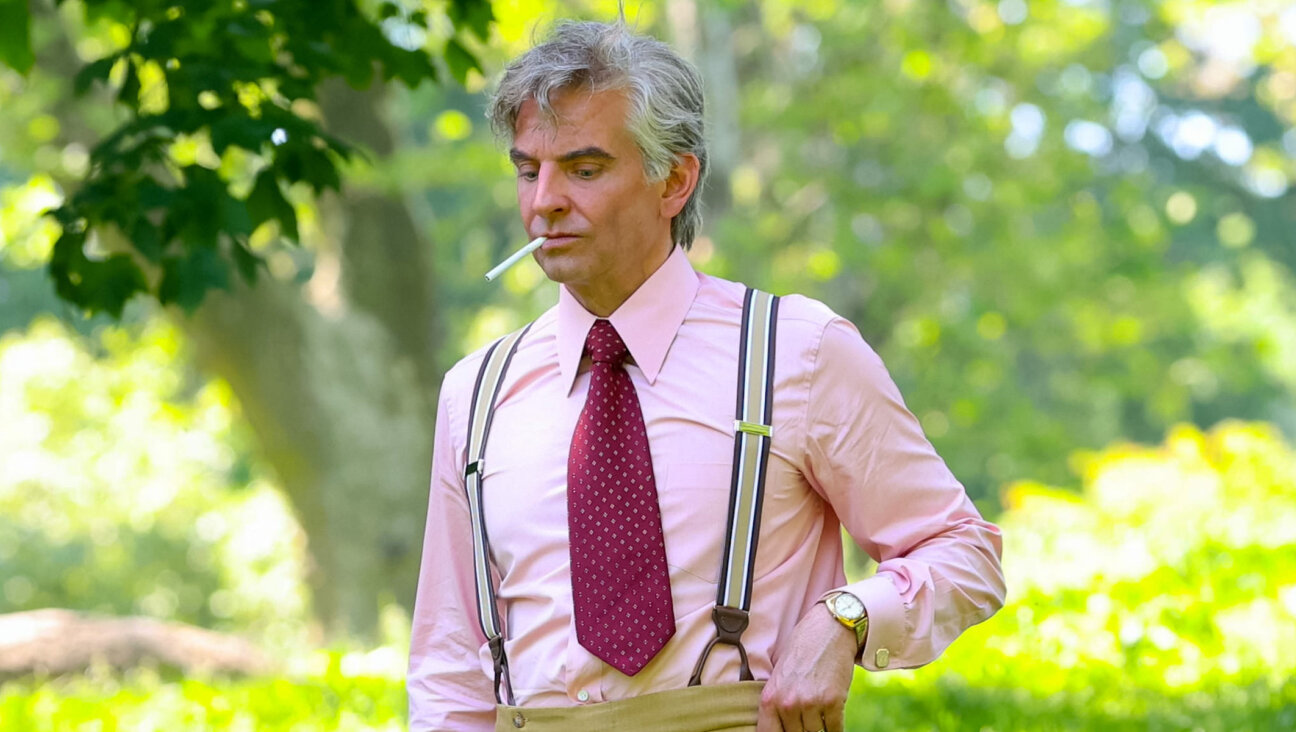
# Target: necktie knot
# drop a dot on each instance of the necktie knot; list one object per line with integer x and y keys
{"x": 604, "y": 344}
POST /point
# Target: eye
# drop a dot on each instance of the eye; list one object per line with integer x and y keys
{"x": 526, "y": 174}
{"x": 586, "y": 173}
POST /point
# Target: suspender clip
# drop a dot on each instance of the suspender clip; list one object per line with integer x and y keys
{"x": 476, "y": 466}
{"x": 501, "y": 669}
{"x": 752, "y": 428}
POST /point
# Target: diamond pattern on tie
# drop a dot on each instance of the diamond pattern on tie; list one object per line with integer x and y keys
{"x": 620, "y": 585}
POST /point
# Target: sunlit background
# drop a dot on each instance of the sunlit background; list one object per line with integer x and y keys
{"x": 1068, "y": 227}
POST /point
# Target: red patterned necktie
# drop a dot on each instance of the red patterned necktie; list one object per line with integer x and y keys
{"x": 620, "y": 585}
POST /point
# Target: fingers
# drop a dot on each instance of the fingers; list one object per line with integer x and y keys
{"x": 834, "y": 718}
{"x": 779, "y": 713}
{"x": 791, "y": 719}
{"x": 801, "y": 719}
{"x": 767, "y": 720}
{"x": 811, "y": 720}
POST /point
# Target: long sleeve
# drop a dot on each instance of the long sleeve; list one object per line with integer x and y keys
{"x": 938, "y": 560}
{"x": 447, "y": 685}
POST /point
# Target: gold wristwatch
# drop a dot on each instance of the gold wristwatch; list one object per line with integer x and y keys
{"x": 851, "y": 613}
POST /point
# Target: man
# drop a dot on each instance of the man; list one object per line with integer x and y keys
{"x": 606, "y": 137}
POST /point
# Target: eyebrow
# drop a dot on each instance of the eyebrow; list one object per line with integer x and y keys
{"x": 584, "y": 153}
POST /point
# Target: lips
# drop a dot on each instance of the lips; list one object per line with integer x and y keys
{"x": 558, "y": 239}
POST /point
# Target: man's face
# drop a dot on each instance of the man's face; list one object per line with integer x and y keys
{"x": 580, "y": 182}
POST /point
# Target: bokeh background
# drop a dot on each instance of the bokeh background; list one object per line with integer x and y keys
{"x": 1068, "y": 226}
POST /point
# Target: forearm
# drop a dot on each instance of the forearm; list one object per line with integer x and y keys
{"x": 920, "y": 602}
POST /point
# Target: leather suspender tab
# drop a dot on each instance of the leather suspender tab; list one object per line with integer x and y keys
{"x": 730, "y": 622}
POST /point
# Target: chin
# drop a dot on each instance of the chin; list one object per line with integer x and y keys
{"x": 560, "y": 272}
{"x": 561, "y": 266}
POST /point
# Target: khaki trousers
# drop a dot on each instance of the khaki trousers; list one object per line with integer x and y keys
{"x": 719, "y": 708}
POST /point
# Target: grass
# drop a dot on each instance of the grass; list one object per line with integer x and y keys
{"x": 144, "y": 701}
{"x": 950, "y": 703}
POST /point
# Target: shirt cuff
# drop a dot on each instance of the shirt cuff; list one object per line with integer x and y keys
{"x": 886, "y": 614}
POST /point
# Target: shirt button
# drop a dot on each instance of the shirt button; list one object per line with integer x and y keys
{"x": 519, "y": 721}
{"x": 882, "y": 658}
{"x": 582, "y": 695}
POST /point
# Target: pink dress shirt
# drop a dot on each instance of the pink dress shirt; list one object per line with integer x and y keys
{"x": 846, "y": 452}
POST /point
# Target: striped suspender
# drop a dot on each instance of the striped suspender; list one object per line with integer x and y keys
{"x": 753, "y": 431}
{"x": 752, "y": 434}
{"x": 479, "y": 418}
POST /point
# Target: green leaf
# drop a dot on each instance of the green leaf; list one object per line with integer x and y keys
{"x": 110, "y": 283}
{"x": 240, "y": 130}
{"x": 199, "y": 204}
{"x": 15, "y": 36}
{"x": 246, "y": 261}
{"x": 235, "y": 218}
{"x": 96, "y": 286}
{"x": 475, "y": 15}
{"x": 266, "y": 202}
{"x": 459, "y": 60}
{"x": 153, "y": 195}
{"x": 130, "y": 88}
{"x": 411, "y": 67}
{"x": 310, "y": 165}
{"x": 186, "y": 280}
{"x": 92, "y": 72}
{"x": 146, "y": 239}
{"x": 320, "y": 171}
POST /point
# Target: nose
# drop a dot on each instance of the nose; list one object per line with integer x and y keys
{"x": 549, "y": 193}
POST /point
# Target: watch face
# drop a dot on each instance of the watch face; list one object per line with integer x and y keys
{"x": 848, "y": 606}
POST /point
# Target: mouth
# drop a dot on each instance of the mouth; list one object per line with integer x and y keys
{"x": 558, "y": 239}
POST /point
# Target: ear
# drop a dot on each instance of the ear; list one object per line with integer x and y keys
{"x": 680, "y": 184}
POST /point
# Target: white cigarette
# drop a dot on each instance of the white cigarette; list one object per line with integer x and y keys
{"x": 512, "y": 260}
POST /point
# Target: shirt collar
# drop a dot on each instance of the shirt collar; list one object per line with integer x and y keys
{"x": 647, "y": 321}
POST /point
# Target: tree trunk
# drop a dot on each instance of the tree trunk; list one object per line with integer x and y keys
{"x": 704, "y": 34}
{"x": 339, "y": 387}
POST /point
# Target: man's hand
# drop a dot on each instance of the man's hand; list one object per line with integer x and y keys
{"x": 807, "y": 692}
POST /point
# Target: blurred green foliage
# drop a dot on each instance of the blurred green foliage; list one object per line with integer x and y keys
{"x": 1161, "y": 597}
{"x": 116, "y": 496}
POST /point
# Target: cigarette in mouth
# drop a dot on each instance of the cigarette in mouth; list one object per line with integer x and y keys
{"x": 512, "y": 260}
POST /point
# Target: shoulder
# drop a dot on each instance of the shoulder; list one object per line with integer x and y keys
{"x": 460, "y": 381}
{"x": 807, "y": 314}
{"x": 824, "y": 347}
{"x": 720, "y": 295}
{"x": 803, "y": 322}
{"x": 808, "y": 332}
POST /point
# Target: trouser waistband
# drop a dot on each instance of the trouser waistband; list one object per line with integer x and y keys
{"x": 715, "y": 708}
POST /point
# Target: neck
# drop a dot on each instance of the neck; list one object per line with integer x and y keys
{"x": 603, "y": 301}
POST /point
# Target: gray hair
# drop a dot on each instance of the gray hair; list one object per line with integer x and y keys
{"x": 664, "y": 93}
